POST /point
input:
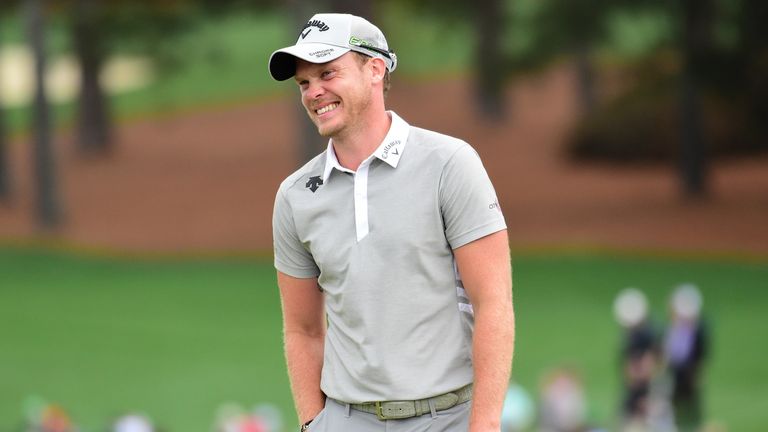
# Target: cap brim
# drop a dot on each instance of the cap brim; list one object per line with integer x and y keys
{"x": 282, "y": 63}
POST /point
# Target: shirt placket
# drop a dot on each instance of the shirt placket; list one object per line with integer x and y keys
{"x": 361, "y": 199}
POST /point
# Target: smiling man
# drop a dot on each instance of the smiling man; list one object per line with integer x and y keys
{"x": 391, "y": 254}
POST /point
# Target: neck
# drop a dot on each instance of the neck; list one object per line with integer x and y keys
{"x": 354, "y": 147}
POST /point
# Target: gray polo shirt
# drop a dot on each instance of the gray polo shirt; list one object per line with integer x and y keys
{"x": 380, "y": 242}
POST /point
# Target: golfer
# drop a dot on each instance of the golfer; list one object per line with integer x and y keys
{"x": 391, "y": 253}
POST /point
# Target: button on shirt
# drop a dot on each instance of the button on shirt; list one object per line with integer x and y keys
{"x": 380, "y": 242}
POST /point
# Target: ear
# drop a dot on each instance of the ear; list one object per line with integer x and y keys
{"x": 378, "y": 68}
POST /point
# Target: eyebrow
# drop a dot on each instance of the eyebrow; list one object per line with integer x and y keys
{"x": 321, "y": 67}
{"x": 301, "y": 77}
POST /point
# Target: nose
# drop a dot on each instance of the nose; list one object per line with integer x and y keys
{"x": 314, "y": 90}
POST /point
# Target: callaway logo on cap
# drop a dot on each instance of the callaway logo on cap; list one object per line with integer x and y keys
{"x": 326, "y": 37}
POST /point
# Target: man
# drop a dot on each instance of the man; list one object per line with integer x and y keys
{"x": 391, "y": 254}
{"x": 640, "y": 358}
{"x": 685, "y": 350}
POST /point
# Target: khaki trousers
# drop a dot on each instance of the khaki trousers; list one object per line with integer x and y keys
{"x": 338, "y": 417}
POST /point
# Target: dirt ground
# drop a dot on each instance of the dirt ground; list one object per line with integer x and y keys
{"x": 204, "y": 182}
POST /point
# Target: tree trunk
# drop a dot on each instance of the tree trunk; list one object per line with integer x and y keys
{"x": 697, "y": 20}
{"x": 693, "y": 159}
{"x": 585, "y": 75}
{"x": 5, "y": 175}
{"x": 754, "y": 42}
{"x": 489, "y": 61}
{"x": 47, "y": 205}
{"x": 94, "y": 128}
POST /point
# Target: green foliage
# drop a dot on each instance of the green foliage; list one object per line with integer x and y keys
{"x": 175, "y": 338}
{"x": 211, "y": 52}
{"x": 426, "y": 43}
{"x": 213, "y": 60}
{"x": 633, "y": 35}
{"x": 10, "y": 28}
{"x": 642, "y": 123}
{"x": 223, "y": 59}
{"x": 717, "y": 57}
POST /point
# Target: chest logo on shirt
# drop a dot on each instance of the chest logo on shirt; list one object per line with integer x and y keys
{"x": 314, "y": 183}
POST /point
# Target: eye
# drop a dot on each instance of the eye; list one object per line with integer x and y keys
{"x": 303, "y": 84}
{"x": 328, "y": 74}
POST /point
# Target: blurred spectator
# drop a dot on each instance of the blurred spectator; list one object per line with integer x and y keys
{"x": 563, "y": 406}
{"x": 685, "y": 349}
{"x": 518, "y": 413}
{"x": 640, "y": 357}
{"x": 232, "y": 417}
{"x": 270, "y": 416}
{"x": 133, "y": 423}
{"x": 42, "y": 416}
{"x": 228, "y": 417}
{"x": 55, "y": 419}
{"x": 250, "y": 423}
{"x": 33, "y": 407}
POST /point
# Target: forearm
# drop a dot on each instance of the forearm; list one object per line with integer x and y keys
{"x": 493, "y": 347}
{"x": 304, "y": 356}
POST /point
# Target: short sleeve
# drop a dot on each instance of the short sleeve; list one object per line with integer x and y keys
{"x": 291, "y": 257}
{"x": 468, "y": 200}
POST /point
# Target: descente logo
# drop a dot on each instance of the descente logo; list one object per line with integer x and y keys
{"x": 313, "y": 23}
{"x": 313, "y": 183}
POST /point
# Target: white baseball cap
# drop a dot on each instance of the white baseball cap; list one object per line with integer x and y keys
{"x": 326, "y": 37}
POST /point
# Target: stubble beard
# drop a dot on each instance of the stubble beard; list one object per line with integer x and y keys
{"x": 323, "y": 129}
{"x": 327, "y": 131}
{"x": 353, "y": 108}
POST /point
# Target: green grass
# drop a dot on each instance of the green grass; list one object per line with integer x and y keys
{"x": 563, "y": 307}
{"x": 172, "y": 339}
{"x": 176, "y": 338}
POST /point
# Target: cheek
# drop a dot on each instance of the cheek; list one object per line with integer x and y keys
{"x": 305, "y": 101}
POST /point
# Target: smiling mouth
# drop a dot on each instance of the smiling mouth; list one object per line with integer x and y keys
{"x": 327, "y": 108}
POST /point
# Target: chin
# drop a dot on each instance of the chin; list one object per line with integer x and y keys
{"x": 325, "y": 133}
{"x": 329, "y": 130}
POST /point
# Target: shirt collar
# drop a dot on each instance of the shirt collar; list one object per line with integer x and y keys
{"x": 390, "y": 150}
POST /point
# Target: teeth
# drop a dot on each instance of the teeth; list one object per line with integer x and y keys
{"x": 327, "y": 108}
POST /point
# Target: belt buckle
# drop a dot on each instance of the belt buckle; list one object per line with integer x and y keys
{"x": 406, "y": 414}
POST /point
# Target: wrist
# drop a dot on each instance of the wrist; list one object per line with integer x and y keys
{"x": 484, "y": 425}
{"x": 305, "y": 426}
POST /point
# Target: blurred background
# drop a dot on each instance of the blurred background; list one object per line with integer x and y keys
{"x": 142, "y": 142}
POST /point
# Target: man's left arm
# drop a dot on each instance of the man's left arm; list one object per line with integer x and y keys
{"x": 485, "y": 269}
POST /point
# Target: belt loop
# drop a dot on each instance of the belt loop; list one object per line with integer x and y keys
{"x": 432, "y": 408}
{"x": 348, "y": 409}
